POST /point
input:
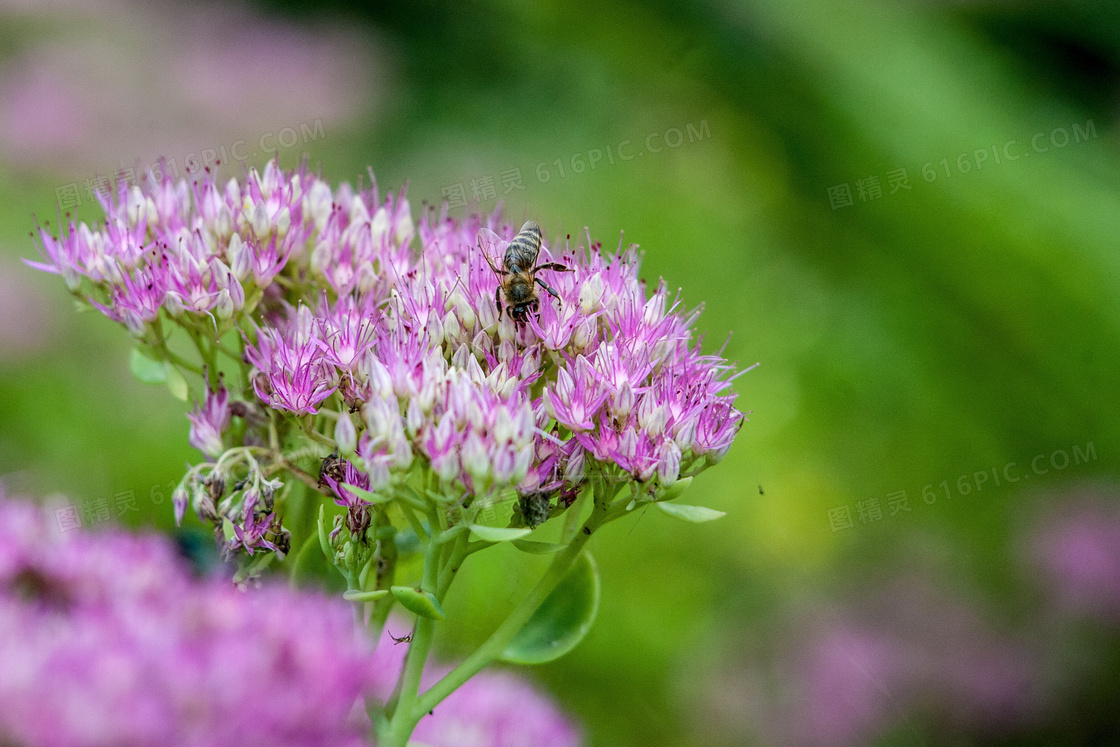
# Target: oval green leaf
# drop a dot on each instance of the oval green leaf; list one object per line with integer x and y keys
{"x": 563, "y": 620}
{"x": 313, "y": 570}
{"x": 176, "y": 384}
{"x": 418, "y": 601}
{"x": 145, "y": 369}
{"x": 694, "y": 514}
{"x": 499, "y": 534}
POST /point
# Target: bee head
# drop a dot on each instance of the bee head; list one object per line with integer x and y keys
{"x": 520, "y": 313}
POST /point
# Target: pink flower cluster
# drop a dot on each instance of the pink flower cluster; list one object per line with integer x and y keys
{"x": 346, "y": 304}
{"x": 193, "y": 249}
{"x": 107, "y": 639}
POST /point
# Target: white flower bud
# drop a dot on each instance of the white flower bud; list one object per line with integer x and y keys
{"x": 379, "y": 227}
{"x": 451, "y": 328}
{"x": 173, "y": 304}
{"x": 686, "y": 434}
{"x": 153, "y": 213}
{"x": 233, "y": 192}
{"x": 474, "y": 457}
{"x": 521, "y": 467}
{"x": 463, "y": 309}
{"x": 358, "y": 212}
{"x": 403, "y": 228}
{"x": 135, "y": 207}
{"x": 223, "y": 222}
{"x": 319, "y": 204}
{"x": 529, "y": 366}
{"x": 415, "y": 418}
{"x": 623, "y": 401}
{"x": 367, "y": 278}
{"x": 283, "y": 222}
{"x": 223, "y": 307}
{"x": 381, "y": 383}
{"x": 584, "y": 333}
{"x": 305, "y": 325}
{"x": 669, "y": 467}
{"x": 507, "y": 328}
{"x": 656, "y": 424}
{"x": 345, "y": 435}
{"x": 239, "y": 258}
{"x": 434, "y": 329}
{"x": 591, "y": 293}
{"x": 576, "y": 467}
{"x": 134, "y": 323}
{"x": 487, "y": 313}
{"x": 503, "y": 426}
{"x": 260, "y": 221}
{"x": 71, "y": 277}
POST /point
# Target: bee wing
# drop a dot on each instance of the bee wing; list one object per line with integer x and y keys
{"x": 493, "y": 248}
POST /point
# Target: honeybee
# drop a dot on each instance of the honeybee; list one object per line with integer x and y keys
{"x": 333, "y": 466}
{"x": 519, "y": 272}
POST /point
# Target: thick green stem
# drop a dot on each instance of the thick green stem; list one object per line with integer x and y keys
{"x": 497, "y": 642}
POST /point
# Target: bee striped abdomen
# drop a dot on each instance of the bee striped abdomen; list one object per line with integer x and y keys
{"x": 523, "y": 250}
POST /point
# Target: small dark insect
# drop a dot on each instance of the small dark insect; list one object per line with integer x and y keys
{"x": 403, "y": 639}
{"x": 333, "y": 466}
{"x": 760, "y": 490}
{"x": 535, "y": 508}
{"x": 519, "y": 270}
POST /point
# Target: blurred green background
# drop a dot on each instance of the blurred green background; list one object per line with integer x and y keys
{"x": 912, "y": 332}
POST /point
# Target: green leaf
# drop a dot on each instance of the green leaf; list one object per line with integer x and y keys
{"x": 418, "y": 601}
{"x": 536, "y": 548}
{"x": 694, "y": 514}
{"x": 366, "y": 495}
{"x": 176, "y": 384}
{"x": 145, "y": 369}
{"x": 313, "y": 570}
{"x": 499, "y": 534}
{"x": 364, "y": 596}
{"x": 563, "y": 620}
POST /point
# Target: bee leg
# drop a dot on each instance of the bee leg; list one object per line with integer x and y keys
{"x": 545, "y": 286}
{"x": 498, "y": 301}
{"x": 553, "y": 266}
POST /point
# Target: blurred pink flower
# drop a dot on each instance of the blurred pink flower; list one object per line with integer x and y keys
{"x": 143, "y": 81}
{"x": 105, "y": 638}
{"x": 849, "y": 675}
{"x": 1076, "y": 547}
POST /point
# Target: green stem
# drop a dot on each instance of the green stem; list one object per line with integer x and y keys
{"x": 315, "y": 435}
{"x": 210, "y": 357}
{"x": 402, "y": 703}
{"x": 408, "y": 715}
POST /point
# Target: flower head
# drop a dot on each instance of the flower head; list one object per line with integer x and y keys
{"x": 347, "y": 306}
